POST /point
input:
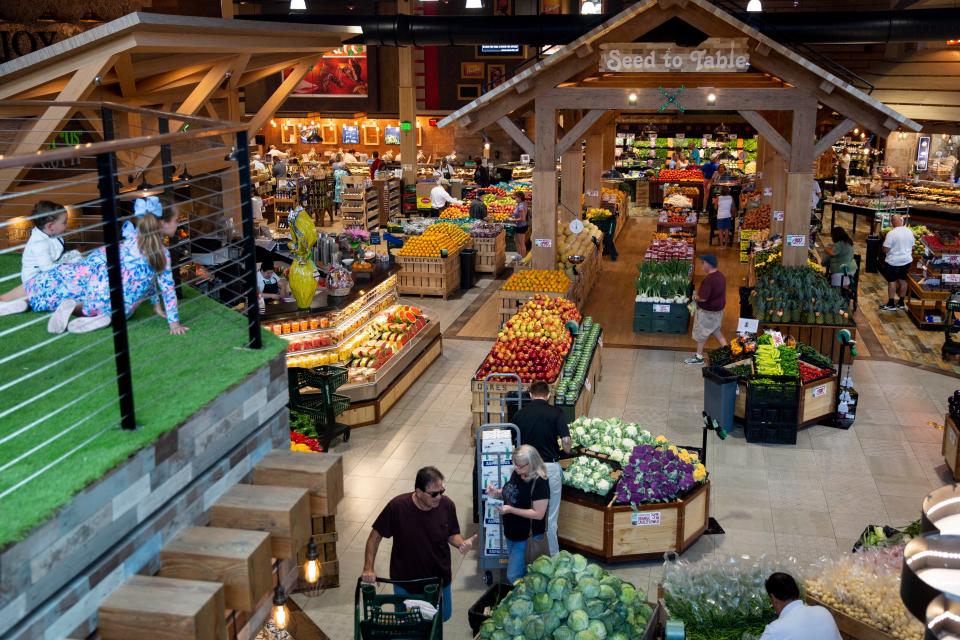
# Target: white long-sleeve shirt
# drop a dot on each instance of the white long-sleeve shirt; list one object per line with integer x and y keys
{"x": 439, "y": 198}
{"x": 797, "y": 621}
{"x": 41, "y": 253}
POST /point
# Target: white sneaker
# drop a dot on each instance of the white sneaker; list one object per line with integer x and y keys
{"x": 87, "y": 324}
{"x": 60, "y": 318}
{"x": 13, "y": 306}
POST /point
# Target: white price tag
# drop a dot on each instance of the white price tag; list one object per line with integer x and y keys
{"x": 408, "y": 167}
{"x": 645, "y": 518}
{"x": 543, "y": 242}
{"x": 661, "y": 308}
{"x": 708, "y": 136}
{"x": 746, "y": 325}
{"x": 952, "y": 437}
{"x": 951, "y": 278}
{"x": 954, "y": 260}
{"x": 778, "y": 216}
{"x": 681, "y": 136}
{"x": 592, "y": 193}
{"x": 588, "y": 385}
{"x": 819, "y": 392}
{"x": 799, "y": 240}
{"x": 767, "y": 192}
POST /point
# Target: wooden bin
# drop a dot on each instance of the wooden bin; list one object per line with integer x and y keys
{"x": 850, "y": 628}
{"x": 609, "y": 532}
{"x": 949, "y": 448}
{"x": 429, "y": 276}
{"x": 817, "y": 401}
{"x": 588, "y": 274}
{"x": 491, "y": 253}
{"x": 822, "y": 337}
{"x": 511, "y": 301}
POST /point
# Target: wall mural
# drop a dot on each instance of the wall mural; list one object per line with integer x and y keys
{"x": 341, "y": 73}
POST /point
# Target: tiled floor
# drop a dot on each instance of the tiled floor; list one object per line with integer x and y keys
{"x": 799, "y": 501}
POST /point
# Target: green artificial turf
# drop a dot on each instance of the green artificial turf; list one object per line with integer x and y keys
{"x": 173, "y": 377}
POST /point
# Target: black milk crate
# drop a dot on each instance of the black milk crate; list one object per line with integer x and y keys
{"x": 781, "y": 391}
{"x": 771, "y": 432}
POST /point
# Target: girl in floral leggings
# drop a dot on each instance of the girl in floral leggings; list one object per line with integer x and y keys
{"x": 83, "y": 288}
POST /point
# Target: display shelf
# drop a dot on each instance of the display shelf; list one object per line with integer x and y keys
{"x": 334, "y": 307}
{"x": 818, "y": 400}
{"x": 511, "y": 301}
{"x": 612, "y": 532}
{"x": 922, "y": 301}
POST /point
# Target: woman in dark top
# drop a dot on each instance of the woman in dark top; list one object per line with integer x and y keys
{"x": 840, "y": 264}
{"x": 521, "y": 221}
{"x": 525, "y": 499}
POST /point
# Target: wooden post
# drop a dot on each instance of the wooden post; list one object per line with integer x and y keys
{"x": 408, "y": 106}
{"x": 544, "y": 226}
{"x": 609, "y": 145}
{"x": 773, "y": 166}
{"x": 800, "y": 182}
{"x": 593, "y": 170}
{"x": 571, "y": 182}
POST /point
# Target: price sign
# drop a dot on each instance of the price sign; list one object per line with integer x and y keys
{"x": 588, "y": 385}
{"x": 799, "y": 240}
{"x": 592, "y": 193}
{"x": 819, "y": 392}
{"x": 543, "y": 242}
{"x": 767, "y": 192}
{"x": 778, "y": 216}
{"x": 525, "y": 158}
{"x": 645, "y": 518}
{"x": 952, "y": 260}
{"x": 661, "y": 308}
{"x": 951, "y": 278}
{"x": 732, "y": 136}
{"x": 374, "y": 237}
{"x": 746, "y": 325}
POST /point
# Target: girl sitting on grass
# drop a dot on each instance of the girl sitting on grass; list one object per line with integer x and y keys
{"x": 83, "y": 288}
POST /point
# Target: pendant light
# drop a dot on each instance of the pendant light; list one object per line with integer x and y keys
{"x": 474, "y": 4}
{"x": 281, "y": 615}
{"x": 298, "y": 5}
{"x": 754, "y": 6}
{"x": 311, "y": 569}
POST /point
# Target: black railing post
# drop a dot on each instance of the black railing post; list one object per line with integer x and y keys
{"x": 249, "y": 246}
{"x": 109, "y": 209}
{"x": 166, "y": 162}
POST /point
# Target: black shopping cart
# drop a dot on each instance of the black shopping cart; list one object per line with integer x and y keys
{"x": 382, "y": 615}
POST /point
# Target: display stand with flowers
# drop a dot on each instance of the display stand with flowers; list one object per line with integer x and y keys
{"x": 660, "y": 503}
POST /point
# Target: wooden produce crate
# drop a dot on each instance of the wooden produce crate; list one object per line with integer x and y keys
{"x": 616, "y": 533}
{"x": 429, "y": 276}
{"x": 818, "y": 399}
{"x": 491, "y": 253}
{"x": 949, "y": 448}
{"x": 511, "y": 301}
{"x": 588, "y": 274}
{"x": 822, "y": 337}
{"x": 850, "y": 628}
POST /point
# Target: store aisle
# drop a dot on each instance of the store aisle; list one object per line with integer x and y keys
{"x": 800, "y": 501}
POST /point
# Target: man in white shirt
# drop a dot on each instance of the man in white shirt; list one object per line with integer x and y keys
{"x": 815, "y": 195}
{"x": 350, "y": 157}
{"x": 898, "y": 247}
{"x": 439, "y": 198}
{"x": 795, "y": 620}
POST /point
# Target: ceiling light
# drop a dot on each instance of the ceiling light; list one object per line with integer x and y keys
{"x": 474, "y": 4}
{"x": 711, "y": 97}
{"x": 632, "y": 97}
{"x": 856, "y": 131}
{"x": 281, "y": 615}
{"x": 298, "y": 5}
{"x": 754, "y": 6}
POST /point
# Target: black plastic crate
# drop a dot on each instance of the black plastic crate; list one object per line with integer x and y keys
{"x": 771, "y": 432}
{"x": 782, "y": 391}
{"x": 490, "y": 598}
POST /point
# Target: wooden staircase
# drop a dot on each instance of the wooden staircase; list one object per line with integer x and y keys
{"x": 256, "y": 530}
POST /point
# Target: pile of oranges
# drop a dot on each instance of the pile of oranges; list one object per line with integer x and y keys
{"x": 455, "y": 212}
{"x": 442, "y": 235}
{"x": 548, "y": 280}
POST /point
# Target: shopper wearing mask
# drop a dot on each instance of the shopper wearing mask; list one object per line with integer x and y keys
{"x": 524, "y": 511}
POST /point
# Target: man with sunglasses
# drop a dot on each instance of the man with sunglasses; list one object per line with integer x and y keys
{"x": 424, "y": 526}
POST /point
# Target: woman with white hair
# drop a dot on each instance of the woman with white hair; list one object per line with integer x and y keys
{"x": 525, "y": 499}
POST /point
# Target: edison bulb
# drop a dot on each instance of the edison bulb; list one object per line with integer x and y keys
{"x": 312, "y": 571}
{"x": 280, "y": 616}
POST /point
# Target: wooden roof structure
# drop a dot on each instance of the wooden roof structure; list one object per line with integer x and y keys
{"x": 185, "y": 65}
{"x": 577, "y": 63}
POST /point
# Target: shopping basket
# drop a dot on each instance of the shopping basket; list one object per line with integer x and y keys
{"x": 377, "y": 615}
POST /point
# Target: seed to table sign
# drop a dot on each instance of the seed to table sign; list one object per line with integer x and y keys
{"x": 714, "y": 55}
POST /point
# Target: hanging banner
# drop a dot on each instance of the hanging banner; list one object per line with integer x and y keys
{"x": 714, "y": 55}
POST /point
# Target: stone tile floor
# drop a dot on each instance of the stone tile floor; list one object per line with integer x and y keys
{"x": 800, "y": 501}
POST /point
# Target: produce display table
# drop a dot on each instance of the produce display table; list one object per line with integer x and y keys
{"x": 850, "y": 628}
{"x": 618, "y": 533}
{"x": 822, "y": 337}
{"x": 856, "y": 211}
{"x": 588, "y": 272}
{"x": 510, "y": 301}
{"x": 429, "y": 276}
{"x": 818, "y": 400}
{"x": 653, "y": 317}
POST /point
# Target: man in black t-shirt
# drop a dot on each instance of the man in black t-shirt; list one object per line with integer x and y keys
{"x": 541, "y": 426}
{"x": 424, "y": 526}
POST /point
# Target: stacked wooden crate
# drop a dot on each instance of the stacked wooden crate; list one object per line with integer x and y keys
{"x": 429, "y": 276}
{"x": 491, "y": 253}
{"x": 388, "y": 198}
{"x": 360, "y": 205}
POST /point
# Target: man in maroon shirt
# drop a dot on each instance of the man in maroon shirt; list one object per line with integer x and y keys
{"x": 424, "y": 526}
{"x": 710, "y": 299}
{"x": 375, "y": 165}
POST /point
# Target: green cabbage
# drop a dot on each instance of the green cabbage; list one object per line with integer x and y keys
{"x": 586, "y": 635}
{"x": 487, "y": 629}
{"x": 558, "y": 588}
{"x": 552, "y": 620}
{"x": 563, "y": 632}
{"x": 595, "y": 608}
{"x": 574, "y": 601}
{"x": 542, "y": 603}
{"x": 520, "y": 608}
{"x": 543, "y": 565}
{"x": 589, "y": 587}
{"x": 578, "y": 620}
{"x": 627, "y": 593}
{"x": 536, "y": 583}
{"x": 533, "y": 628}
{"x": 607, "y": 593}
{"x": 598, "y": 629}
{"x": 578, "y": 562}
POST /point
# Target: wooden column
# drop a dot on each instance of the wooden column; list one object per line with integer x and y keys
{"x": 408, "y": 105}
{"x": 773, "y": 166}
{"x": 571, "y": 181}
{"x": 800, "y": 181}
{"x": 593, "y": 169}
{"x": 545, "y": 189}
{"x": 609, "y": 145}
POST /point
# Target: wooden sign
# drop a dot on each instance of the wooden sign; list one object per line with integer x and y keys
{"x": 714, "y": 55}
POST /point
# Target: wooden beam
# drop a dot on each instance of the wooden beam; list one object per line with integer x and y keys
{"x": 37, "y": 134}
{"x": 593, "y": 169}
{"x": 584, "y": 50}
{"x": 253, "y": 75}
{"x": 766, "y": 130}
{"x": 827, "y": 87}
{"x": 832, "y": 136}
{"x": 803, "y": 137}
{"x": 796, "y": 220}
{"x": 578, "y": 130}
{"x": 571, "y": 186}
{"x": 124, "y": 69}
{"x": 280, "y": 95}
{"x": 164, "y": 80}
{"x": 543, "y": 236}
{"x": 692, "y": 99}
{"x": 520, "y": 137}
{"x": 668, "y": 4}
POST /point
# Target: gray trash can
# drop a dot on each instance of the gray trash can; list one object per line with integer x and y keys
{"x": 719, "y": 395}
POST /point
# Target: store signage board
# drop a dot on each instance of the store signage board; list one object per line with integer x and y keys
{"x": 748, "y": 325}
{"x": 799, "y": 240}
{"x": 645, "y": 518}
{"x": 714, "y": 55}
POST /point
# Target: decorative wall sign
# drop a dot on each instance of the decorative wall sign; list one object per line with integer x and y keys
{"x": 496, "y": 74}
{"x": 391, "y": 135}
{"x": 350, "y": 134}
{"x": 468, "y": 91}
{"x": 714, "y": 55}
{"x": 471, "y": 70}
{"x": 328, "y": 133}
{"x": 672, "y": 99}
{"x": 371, "y": 134}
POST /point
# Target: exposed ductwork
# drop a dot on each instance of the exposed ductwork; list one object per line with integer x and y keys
{"x": 844, "y": 27}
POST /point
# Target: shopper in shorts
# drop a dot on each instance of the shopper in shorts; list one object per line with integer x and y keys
{"x": 711, "y": 299}
{"x": 898, "y": 250}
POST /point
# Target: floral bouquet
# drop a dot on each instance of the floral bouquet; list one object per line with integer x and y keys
{"x": 658, "y": 473}
{"x": 356, "y": 235}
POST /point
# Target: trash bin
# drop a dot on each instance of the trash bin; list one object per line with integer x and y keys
{"x": 873, "y": 253}
{"x": 746, "y": 307}
{"x": 719, "y": 395}
{"x": 468, "y": 267}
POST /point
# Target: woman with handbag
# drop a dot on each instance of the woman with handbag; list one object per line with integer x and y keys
{"x": 524, "y": 512}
